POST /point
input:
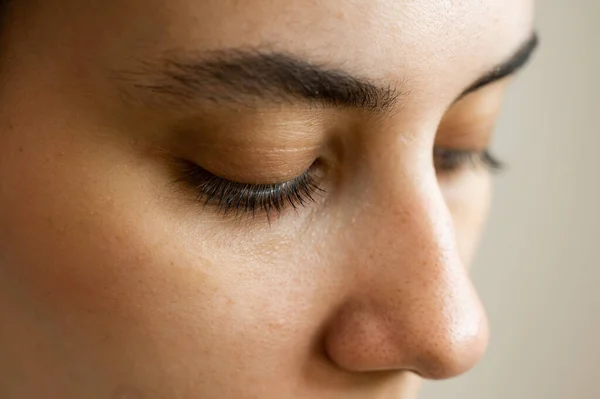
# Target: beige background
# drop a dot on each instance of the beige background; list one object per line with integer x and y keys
{"x": 539, "y": 268}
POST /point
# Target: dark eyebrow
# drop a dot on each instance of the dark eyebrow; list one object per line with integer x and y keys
{"x": 247, "y": 76}
{"x": 512, "y": 65}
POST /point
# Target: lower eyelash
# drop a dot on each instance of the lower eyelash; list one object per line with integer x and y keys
{"x": 243, "y": 198}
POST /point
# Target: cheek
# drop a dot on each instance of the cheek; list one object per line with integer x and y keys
{"x": 468, "y": 199}
{"x": 118, "y": 270}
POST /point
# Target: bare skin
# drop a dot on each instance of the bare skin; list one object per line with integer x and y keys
{"x": 116, "y": 281}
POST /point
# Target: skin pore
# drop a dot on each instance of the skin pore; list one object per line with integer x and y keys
{"x": 228, "y": 199}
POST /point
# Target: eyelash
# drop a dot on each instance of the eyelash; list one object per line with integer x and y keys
{"x": 449, "y": 161}
{"x": 238, "y": 199}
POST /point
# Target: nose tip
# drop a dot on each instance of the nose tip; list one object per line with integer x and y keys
{"x": 451, "y": 348}
{"x": 436, "y": 338}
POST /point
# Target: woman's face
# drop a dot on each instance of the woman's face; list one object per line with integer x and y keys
{"x": 235, "y": 199}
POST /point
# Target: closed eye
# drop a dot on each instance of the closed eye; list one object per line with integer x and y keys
{"x": 239, "y": 199}
{"x": 451, "y": 160}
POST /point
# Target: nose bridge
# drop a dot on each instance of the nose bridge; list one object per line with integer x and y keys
{"x": 413, "y": 306}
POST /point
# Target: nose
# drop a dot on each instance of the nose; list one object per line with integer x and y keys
{"x": 411, "y": 305}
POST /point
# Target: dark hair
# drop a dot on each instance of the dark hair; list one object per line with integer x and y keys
{"x": 3, "y": 4}
{"x": 3, "y": 11}
{"x": 3, "y": 7}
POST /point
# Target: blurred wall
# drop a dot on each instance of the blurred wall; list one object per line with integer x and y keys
{"x": 539, "y": 267}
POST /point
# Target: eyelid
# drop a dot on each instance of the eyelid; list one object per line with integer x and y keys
{"x": 250, "y": 164}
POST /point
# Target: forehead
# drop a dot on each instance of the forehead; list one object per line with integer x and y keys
{"x": 431, "y": 44}
{"x": 378, "y": 36}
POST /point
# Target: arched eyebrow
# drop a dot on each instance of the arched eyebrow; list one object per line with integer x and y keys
{"x": 509, "y": 67}
{"x": 256, "y": 78}
{"x": 250, "y": 77}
